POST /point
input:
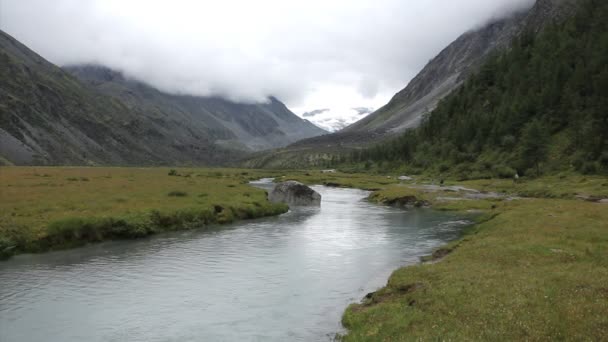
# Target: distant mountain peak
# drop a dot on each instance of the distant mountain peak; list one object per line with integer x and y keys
{"x": 335, "y": 119}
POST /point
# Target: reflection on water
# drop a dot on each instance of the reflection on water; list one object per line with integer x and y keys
{"x": 283, "y": 278}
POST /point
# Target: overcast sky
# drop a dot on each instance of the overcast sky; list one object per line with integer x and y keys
{"x": 310, "y": 54}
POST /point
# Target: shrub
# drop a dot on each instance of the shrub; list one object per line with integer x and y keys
{"x": 604, "y": 160}
{"x": 444, "y": 167}
{"x": 78, "y": 231}
{"x": 589, "y": 168}
{"x": 172, "y": 172}
{"x": 7, "y": 248}
{"x": 502, "y": 171}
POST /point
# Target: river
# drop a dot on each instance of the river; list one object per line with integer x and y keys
{"x": 286, "y": 278}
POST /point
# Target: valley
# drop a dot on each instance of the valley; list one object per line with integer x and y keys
{"x": 140, "y": 205}
{"x": 545, "y": 231}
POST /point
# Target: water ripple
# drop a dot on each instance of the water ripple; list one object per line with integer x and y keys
{"x": 276, "y": 279}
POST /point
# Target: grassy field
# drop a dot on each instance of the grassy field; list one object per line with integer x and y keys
{"x": 44, "y": 208}
{"x": 48, "y": 208}
{"x": 534, "y": 268}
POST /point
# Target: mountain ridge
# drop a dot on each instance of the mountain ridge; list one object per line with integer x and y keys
{"x": 50, "y": 117}
{"x": 539, "y": 106}
{"x": 443, "y": 74}
{"x": 243, "y": 126}
{"x": 440, "y": 77}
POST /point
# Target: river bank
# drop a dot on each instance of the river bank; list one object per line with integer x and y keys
{"x": 283, "y": 278}
{"x": 48, "y": 208}
{"x": 537, "y": 270}
{"x": 534, "y": 267}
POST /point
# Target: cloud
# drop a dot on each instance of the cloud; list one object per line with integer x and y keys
{"x": 247, "y": 50}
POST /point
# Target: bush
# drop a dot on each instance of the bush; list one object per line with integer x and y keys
{"x": 444, "y": 167}
{"x": 172, "y": 172}
{"x": 508, "y": 142}
{"x": 7, "y": 248}
{"x": 502, "y": 171}
{"x": 604, "y": 160}
{"x": 589, "y": 168}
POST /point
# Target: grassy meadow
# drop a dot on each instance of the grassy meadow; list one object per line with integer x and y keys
{"x": 43, "y": 208}
{"x": 533, "y": 267}
{"x": 537, "y": 270}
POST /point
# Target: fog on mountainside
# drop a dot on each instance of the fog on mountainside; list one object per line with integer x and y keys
{"x": 298, "y": 52}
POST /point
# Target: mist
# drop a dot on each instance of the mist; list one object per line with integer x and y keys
{"x": 249, "y": 50}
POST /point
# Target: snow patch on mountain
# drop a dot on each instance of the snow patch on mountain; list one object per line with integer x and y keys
{"x": 335, "y": 119}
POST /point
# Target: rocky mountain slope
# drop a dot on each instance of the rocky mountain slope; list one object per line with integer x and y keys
{"x": 444, "y": 73}
{"x": 48, "y": 116}
{"x": 251, "y": 127}
{"x": 539, "y": 106}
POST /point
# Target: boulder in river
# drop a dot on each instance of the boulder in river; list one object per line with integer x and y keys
{"x": 295, "y": 194}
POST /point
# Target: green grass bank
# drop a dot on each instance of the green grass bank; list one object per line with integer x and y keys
{"x": 47, "y": 208}
{"x": 535, "y": 267}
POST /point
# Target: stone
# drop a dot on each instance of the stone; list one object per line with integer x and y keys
{"x": 295, "y": 194}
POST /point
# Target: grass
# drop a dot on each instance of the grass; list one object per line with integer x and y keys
{"x": 44, "y": 208}
{"x": 178, "y": 194}
{"x": 566, "y": 186}
{"x": 534, "y": 268}
{"x": 340, "y": 179}
{"x": 531, "y": 269}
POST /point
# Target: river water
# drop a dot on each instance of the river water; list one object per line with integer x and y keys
{"x": 286, "y": 278}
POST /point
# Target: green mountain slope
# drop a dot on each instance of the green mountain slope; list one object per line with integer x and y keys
{"x": 439, "y": 78}
{"x": 542, "y": 105}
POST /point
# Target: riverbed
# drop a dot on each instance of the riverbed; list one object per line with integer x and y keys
{"x": 286, "y": 278}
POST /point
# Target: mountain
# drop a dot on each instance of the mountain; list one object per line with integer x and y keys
{"x": 448, "y": 70}
{"x": 443, "y": 74}
{"x": 440, "y": 77}
{"x": 251, "y": 127}
{"x": 335, "y": 119}
{"x": 49, "y": 117}
{"x": 538, "y": 106}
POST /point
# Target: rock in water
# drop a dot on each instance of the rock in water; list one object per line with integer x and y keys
{"x": 295, "y": 194}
